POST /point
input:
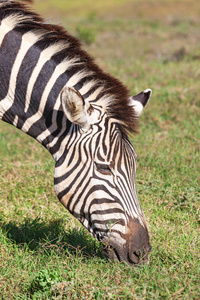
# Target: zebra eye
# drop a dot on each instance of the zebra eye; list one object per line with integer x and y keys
{"x": 103, "y": 169}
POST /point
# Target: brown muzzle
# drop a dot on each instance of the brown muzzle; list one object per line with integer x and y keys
{"x": 136, "y": 248}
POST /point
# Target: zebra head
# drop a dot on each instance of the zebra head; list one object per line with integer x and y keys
{"x": 95, "y": 177}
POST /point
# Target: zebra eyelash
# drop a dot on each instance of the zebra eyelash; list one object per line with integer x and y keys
{"x": 103, "y": 168}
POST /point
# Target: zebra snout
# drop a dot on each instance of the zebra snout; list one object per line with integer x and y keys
{"x": 140, "y": 256}
{"x": 138, "y": 242}
{"x": 134, "y": 257}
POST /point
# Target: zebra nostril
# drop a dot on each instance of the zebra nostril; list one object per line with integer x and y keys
{"x": 135, "y": 257}
{"x": 137, "y": 253}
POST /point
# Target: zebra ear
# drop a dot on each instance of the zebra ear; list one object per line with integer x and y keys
{"x": 76, "y": 109}
{"x": 140, "y": 101}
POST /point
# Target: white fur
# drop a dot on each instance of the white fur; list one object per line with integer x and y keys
{"x": 138, "y": 107}
{"x": 148, "y": 90}
{"x": 87, "y": 86}
{"x": 77, "y": 77}
{"x": 15, "y": 121}
{"x": 9, "y": 23}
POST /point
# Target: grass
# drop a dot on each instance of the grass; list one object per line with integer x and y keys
{"x": 44, "y": 252}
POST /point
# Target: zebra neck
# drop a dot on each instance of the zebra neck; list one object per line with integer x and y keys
{"x": 44, "y": 121}
{"x": 49, "y": 127}
{"x": 30, "y": 87}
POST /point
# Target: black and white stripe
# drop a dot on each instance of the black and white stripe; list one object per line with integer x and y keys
{"x": 43, "y": 69}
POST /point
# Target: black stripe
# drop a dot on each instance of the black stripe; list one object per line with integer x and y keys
{"x": 8, "y": 52}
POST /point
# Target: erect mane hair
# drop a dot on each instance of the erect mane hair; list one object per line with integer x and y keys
{"x": 111, "y": 93}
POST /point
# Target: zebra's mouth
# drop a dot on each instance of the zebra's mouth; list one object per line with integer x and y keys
{"x": 133, "y": 249}
{"x": 111, "y": 253}
{"x": 133, "y": 259}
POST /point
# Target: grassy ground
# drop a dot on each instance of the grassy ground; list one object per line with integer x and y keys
{"x": 44, "y": 252}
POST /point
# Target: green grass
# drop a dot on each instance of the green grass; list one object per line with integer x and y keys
{"x": 44, "y": 251}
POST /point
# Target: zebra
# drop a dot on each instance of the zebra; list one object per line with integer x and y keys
{"x": 52, "y": 90}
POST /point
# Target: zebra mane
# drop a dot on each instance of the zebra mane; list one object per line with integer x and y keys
{"x": 109, "y": 92}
